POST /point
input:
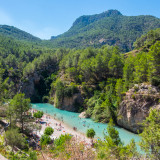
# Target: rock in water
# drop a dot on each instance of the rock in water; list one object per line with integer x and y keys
{"x": 82, "y": 115}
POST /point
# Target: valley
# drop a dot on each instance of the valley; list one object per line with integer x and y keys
{"x": 105, "y": 67}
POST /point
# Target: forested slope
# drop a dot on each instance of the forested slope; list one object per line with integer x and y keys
{"x": 14, "y": 56}
{"x": 100, "y": 76}
{"x": 103, "y": 76}
{"x": 110, "y": 27}
{"x": 103, "y": 82}
{"x": 17, "y": 34}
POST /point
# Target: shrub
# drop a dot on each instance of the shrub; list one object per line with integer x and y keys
{"x": 45, "y": 139}
{"x": 38, "y": 114}
{"x": 62, "y": 140}
{"x": 33, "y": 155}
{"x": 48, "y": 131}
{"x": 90, "y": 133}
{"x": 14, "y": 138}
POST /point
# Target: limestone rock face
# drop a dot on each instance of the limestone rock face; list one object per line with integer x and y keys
{"x": 28, "y": 87}
{"x": 32, "y": 83}
{"x": 136, "y": 106}
{"x": 72, "y": 103}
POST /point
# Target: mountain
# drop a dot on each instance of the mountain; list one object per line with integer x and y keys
{"x": 107, "y": 28}
{"x": 110, "y": 27}
{"x": 17, "y": 34}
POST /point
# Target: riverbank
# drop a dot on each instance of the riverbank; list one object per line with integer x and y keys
{"x": 72, "y": 119}
{"x": 60, "y": 128}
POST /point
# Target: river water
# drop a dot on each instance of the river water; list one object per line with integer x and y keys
{"x": 71, "y": 119}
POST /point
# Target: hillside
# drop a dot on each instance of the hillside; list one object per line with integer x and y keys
{"x": 102, "y": 83}
{"x": 110, "y": 27}
{"x": 17, "y": 34}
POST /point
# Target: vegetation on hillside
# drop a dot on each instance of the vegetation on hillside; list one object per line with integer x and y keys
{"x": 104, "y": 75}
{"x": 109, "y": 27}
{"x": 101, "y": 75}
{"x": 13, "y": 32}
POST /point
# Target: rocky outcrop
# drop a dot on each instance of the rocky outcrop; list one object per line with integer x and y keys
{"x": 33, "y": 85}
{"x": 82, "y": 115}
{"x": 28, "y": 86}
{"x": 136, "y": 106}
{"x": 72, "y": 103}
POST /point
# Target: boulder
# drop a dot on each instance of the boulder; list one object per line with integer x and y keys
{"x": 82, "y": 115}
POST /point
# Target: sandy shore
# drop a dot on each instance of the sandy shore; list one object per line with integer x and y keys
{"x": 61, "y": 128}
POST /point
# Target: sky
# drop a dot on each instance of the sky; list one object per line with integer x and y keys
{"x": 46, "y": 18}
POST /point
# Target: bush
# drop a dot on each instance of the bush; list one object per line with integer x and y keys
{"x": 38, "y": 114}
{"x": 90, "y": 133}
{"x": 62, "y": 140}
{"x": 45, "y": 139}
{"x": 60, "y": 146}
{"x": 33, "y": 155}
{"x": 49, "y": 131}
{"x": 14, "y": 138}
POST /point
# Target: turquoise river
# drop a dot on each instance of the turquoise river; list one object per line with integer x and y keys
{"x": 72, "y": 120}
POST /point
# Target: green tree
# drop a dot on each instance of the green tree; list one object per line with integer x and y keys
{"x": 141, "y": 68}
{"x": 90, "y": 133}
{"x": 3, "y": 86}
{"x": 60, "y": 145}
{"x": 38, "y": 114}
{"x": 20, "y": 107}
{"x": 119, "y": 89}
{"x": 128, "y": 70}
{"x": 45, "y": 139}
{"x": 113, "y": 134}
{"x": 10, "y": 115}
{"x": 32, "y": 155}
{"x": 59, "y": 92}
{"x": 115, "y": 65}
{"x": 113, "y": 148}
{"x": 14, "y": 138}
{"x": 154, "y": 64}
{"x": 48, "y": 131}
{"x": 150, "y": 142}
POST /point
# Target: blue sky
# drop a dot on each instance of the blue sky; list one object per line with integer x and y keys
{"x": 46, "y": 18}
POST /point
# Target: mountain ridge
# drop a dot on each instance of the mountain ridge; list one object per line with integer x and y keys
{"x": 107, "y": 28}
{"x": 16, "y": 33}
{"x": 110, "y": 27}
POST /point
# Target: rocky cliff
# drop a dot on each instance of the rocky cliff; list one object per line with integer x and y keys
{"x": 72, "y": 103}
{"x": 34, "y": 85}
{"x": 136, "y": 106}
{"x": 29, "y": 85}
